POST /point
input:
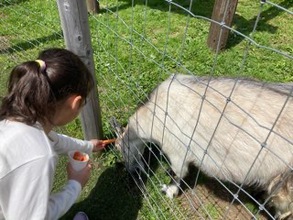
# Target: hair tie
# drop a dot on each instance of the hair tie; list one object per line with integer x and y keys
{"x": 42, "y": 65}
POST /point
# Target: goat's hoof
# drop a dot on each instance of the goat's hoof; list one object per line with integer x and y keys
{"x": 170, "y": 191}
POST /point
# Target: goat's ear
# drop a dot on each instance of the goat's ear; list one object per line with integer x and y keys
{"x": 290, "y": 182}
{"x": 273, "y": 184}
{"x": 117, "y": 127}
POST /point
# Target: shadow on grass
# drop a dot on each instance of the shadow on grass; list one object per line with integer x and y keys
{"x": 246, "y": 26}
{"x": 202, "y": 7}
{"x": 29, "y": 44}
{"x": 205, "y": 9}
{"x": 11, "y": 2}
{"x": 217, "y": 193}
{"x": 114, "y": 197}
{"x": 221, "y": 193}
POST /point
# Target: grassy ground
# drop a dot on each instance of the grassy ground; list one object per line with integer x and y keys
{"x": 135, "y": 48}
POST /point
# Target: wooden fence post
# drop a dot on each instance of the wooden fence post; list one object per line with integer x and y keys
{"x": 74, "y": 22}
{"x": 217, "y": 32}
{"x": 93, "y": 6}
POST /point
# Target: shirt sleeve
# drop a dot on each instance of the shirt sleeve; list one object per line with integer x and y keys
{"x": 62, "y": 144}
{"x": 60, "y": 203}
{"x": 28, "y": 188}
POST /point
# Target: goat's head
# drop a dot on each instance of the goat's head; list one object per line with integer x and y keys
{"x": 131, "y": 147}
{"x": 281, "y": 192}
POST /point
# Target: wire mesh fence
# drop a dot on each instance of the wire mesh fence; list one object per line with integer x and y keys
{"x": 139, "y": 44}
{"x": 177, "y": 44}
{"x": 25, "y": 31}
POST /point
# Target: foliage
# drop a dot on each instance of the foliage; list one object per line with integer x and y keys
{"x": 137, "y": 45}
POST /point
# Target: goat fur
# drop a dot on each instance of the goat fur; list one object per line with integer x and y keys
{"x": 235, "y": 130}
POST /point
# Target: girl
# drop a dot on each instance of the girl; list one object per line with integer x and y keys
{"x": 42, "y": 94}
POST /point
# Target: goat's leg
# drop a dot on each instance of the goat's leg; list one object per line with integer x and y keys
{"x": 179, "y": 172}
{"x": 172, "y": 190}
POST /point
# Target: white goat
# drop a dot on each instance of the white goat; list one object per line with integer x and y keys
{"x": 235, "y": 130}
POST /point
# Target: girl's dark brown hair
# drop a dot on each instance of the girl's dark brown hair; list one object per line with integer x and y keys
{"x": 33, "y": 92}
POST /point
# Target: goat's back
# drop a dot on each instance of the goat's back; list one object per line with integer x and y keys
{"x": 235, "y": 130}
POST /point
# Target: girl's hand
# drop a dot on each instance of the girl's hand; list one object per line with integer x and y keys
{"x": 81, "y": 176}
{"x": 98, "y": 145}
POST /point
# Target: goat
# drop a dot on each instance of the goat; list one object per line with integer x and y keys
{"x": 280, "y": 192}
{"x": 235, "y": 130}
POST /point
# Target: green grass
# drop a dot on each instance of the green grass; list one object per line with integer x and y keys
{"x": 134, "y": 50}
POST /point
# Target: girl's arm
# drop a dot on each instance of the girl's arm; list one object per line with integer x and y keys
{"x": 26, "y": 192}
{"x": 62, "y": 144}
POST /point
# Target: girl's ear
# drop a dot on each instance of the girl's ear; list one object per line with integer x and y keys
{"x": 76, "y": 102}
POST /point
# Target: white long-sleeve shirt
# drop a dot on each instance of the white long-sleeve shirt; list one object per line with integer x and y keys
{"x": 28, "y": 159}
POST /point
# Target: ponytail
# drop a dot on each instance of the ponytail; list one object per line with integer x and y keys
{"x": 35, "y": 87}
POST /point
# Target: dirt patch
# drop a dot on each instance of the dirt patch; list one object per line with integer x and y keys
{"x": 214, "y": 200}
{"x": 211, "y": 198}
